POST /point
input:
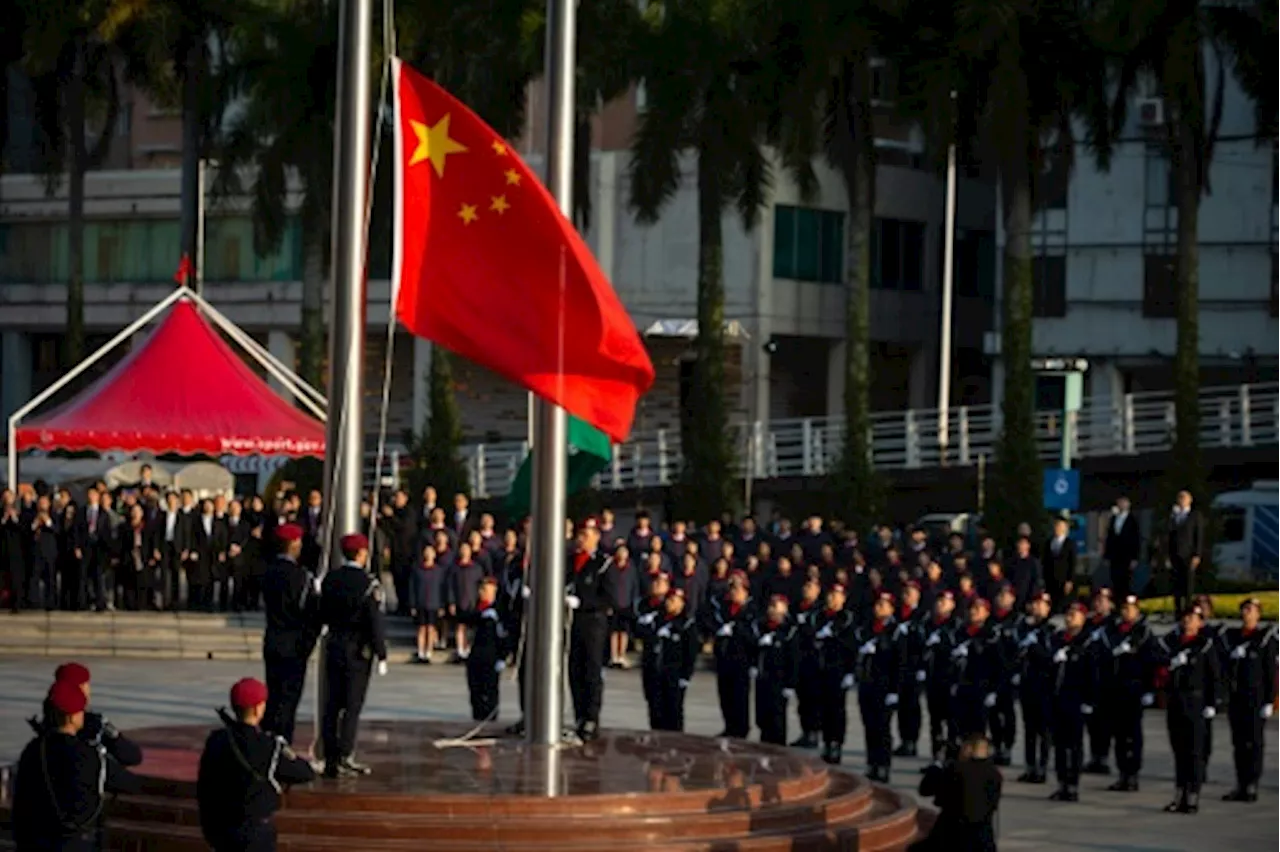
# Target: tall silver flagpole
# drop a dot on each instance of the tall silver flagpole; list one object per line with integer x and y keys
{"x": 544, "y": 688}
{"x": 344, "y": 447}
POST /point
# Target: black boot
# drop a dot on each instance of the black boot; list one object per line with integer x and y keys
{"x": 1179, "y": 802}
{"x": 1097, "y": 766}
{"x": 807, "y": 740}
{"x": 903, "y": 750}
{"x": 1065, "y": 793}
{"x": 1236, "y": 795}
{"x": 1002, "y": 758}
{"x": 516, "y": 730}
{"x": 1191, "y": 804}
{"x": 830, "y": 754}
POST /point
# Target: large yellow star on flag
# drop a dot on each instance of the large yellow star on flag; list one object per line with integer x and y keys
{"x": 434, "y": 144}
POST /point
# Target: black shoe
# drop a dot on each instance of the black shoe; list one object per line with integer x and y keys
{"x": 1028, "y": 777}
{"x": 1236, "y": 795}
{"x": 517, "y": 729}
{"x": 1126, "y": 784}
{"x": 806, "y": 740}
{"x": 902, "y": 751}
{"x": 1096, "y": 766}
{"x": 831, "y": 754}
{"x": 588, "y": 731}
{"x": 1179, "y": 802}
{"x": 1191, "y": 804}
{"x": 1064, "y": 794}
{"x": 350, "y": 767}
{"x": 1002, "y": 758}
{"x": 1041, "y": 777}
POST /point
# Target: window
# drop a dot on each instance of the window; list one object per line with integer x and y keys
{"x": 1049, "y": 286}
{"x": 108, "y": 254}
{"x": 975, "y": 263}
{"x": 1159, "y": 289}
{"x": 897, "y": 255}
{"x": 1159, "y": 178}
{"x": 808, "y": 244}
{"x": 1232, "y": 525}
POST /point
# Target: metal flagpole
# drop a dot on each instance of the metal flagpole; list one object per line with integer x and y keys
{"x": 544, "y": 687}
{"x": 944, "y": 339}
{"x": 344, "y": 441}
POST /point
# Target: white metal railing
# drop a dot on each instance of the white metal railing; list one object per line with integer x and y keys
{"x": 1233, "y": 416}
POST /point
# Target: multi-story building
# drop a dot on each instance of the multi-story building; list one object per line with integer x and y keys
{"x": 784, "y": 279}
{"x": 1104, "y": 291}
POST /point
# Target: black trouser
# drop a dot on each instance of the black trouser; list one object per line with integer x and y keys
{"x": 73, "y": 577}
{"x": 286, "y": 677}
{"x": 1182, "y": 582}
{"x": 482, "y": 684}
{"x": 1187, "y": 728}
{"x": 401, "y": 570}
{"x": 253, "y": 836}
{"x": 771, "y": 712}
{"x": 199, "y": 593}
{"x": 170, "y": 576}
{"x": 649, "y": 675}
{"x": 1036, "y": 712}
{"x": 1004, "y": 719}
{"x": 1068, "y": 740}
{"x": 1125, "y": 724}
{"x": 347, "y": 673}
{"x": 17, "y": 583}
{"x": 909, "y": 715}
{"x": 1247, "y": 724}
{"x": 94, "y": 567}
{"x": 969, "y": 712}
{"x": 733, "y": 686}
{"x": 941, "y": 726}
{"x": 1121, "y": 581}
{"x": 1099, "y": 726}
{"x": 44, "y": 583}
{"x": 586, "y": 664}
{"x": 809, "y": 699}
{"x": 132, "y": 583}
{"x": 877, "y": 724}
{"x": 835, "y": 716}
{"x": 668, "y": 702}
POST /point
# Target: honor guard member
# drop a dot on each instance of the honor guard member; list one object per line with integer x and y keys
{"x": 808, "y": 692}
{"x": 977, "y": 668}
{"x": 776, "y": 668}
{"x": 1074, "y": 697}
{"x": 291, "y": 601}
{"x": 1192, "y": 681}
{"x": 242, "y": 772}
{"x": 97, "y": 730}
{"x": 589, "y": 593}
{"x": 881, "y": 658}
{"x": 1034, "y": 678}
{"x": 671, "y": 646}
{"x": 911, "y": 633}
{"x": 1098, "y": 628}
{"x": 836, "y": 654}
{"x": 1004, "y": 719}
{"x": 651, "y": 609}
{"x": 490, "y": 646}
{"x": 1210, "y": 629}
{"x": 730, "y": 623}
{"x": 1126, "y": 680}
{"x": 1250, "y": 655}
{"x": 62, "y": 781}
{"x": 351, "y": 606}
{"x": 939, "y": 641}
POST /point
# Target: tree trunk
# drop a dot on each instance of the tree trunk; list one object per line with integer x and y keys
{"x": 859, "y": 496}
{"x": 73, "y": 341}
{"x": 311, "y": 342}
{"x": 192, "y": 149}
{"x": 1184, "y": 160}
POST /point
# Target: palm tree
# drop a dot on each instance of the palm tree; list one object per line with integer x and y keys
{"x": 697, "y": 64}
{"x": 1171, "y": 44}
{"x": 1021, "y": 72}
{"x": 73, "y": 74}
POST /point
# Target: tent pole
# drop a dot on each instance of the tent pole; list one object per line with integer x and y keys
{"x": 39, "y": 399}
{"x": 296, "y": 385}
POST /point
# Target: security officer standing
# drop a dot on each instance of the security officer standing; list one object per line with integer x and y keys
{"x": 490, "y": 646}
{"x": 730, "y": 622}
{"x": 589, "y": 593}
{"x": 777, "y": 666}
{"x": 910, "y": 632}
{"x": 1074, "y": 700}
{"x": 242, "y": 772}
{"x": 1250, "y": 655}
{"x": 671, "y": 647}
{"x": 1004, "y": 718}
{"x": 1034, "y": 678}
{"x": 939, "y": 641}
{"x": 1098, "y": 627}
{"x": 1191, "y": 674}
{"x": 836, "y": 654}
{"x": 978, "y": 668}
{"x": 291, "y": 602}
{"x": 808, "y": 695}
{"x": 1127, "y": 671}
{"x": 881, "y": 658}
{"x": 351, "y": 605}
{"x": 97, "y": 730}
{"x": 62, "y": 781}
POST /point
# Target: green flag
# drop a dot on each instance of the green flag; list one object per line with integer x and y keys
{"x": 589, "y": 453}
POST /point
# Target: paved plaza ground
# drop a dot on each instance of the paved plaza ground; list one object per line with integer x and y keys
{"x": 143, "y": 692}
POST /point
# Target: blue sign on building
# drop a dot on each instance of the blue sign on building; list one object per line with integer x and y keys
{"x": 1062, "y": 489}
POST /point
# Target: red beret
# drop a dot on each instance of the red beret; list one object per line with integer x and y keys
{"x": 913, "y": 584}
{"x": 779, "y": 599}
{"x": 837, "y": 587}
{"x": 248, "y": 692}
{"x": 1102, "y": 592}
{"x": 289, "y": 532}
{"x": 1194, "y": 609}
{"x": 590, "y": 523}
{"x": 1079, "y": 607}
{"x": 488, "y": 580}
{"x": 1244, "y": 604}
{"x": 886, "y": 596}
{"x": 1006, "y": 587}
{"x": 1132, "y": 600}
{"x": 737, "y": 575}
{"x": 1042, "y": 597}
{"x": 73, "y": 673}
{"x": 353, "y": 543}
{"x": 676, "y": 593}
{"x": 947, "y": 595}
{"x": 983, "y": 602}
{"x": 67, "y": 697}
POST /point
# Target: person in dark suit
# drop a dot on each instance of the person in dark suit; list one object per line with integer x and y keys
{"x": 967, "y": 793}
{"x": 1121, "y": 548}
{"x": 1185, "y": 549}
{"x": 203, "y": 562}
{"x": 92, "y": 540}
{"x": 238, "y": 534}
{"x": 310, "y": 520}
{"x": 138, "y": 562}
{"x": 462, "y": 523}
{"x": 1059, "y": 560}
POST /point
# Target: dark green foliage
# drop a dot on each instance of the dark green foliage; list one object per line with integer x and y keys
{"x": 434, "y": 451}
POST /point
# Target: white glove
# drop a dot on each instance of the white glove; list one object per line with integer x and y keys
{"x": 648, "y": 618}
{"x": 664, "y": 632}
{"x": 572, "y": 601}
{"x": 766, "y": 641}
{"x": 790, "y": 693}
{"x": 847, "y": 682}
{"x": 1016, "y": 680}
{"x": 933, "y": 639}
{"x": 891, "y": 700}
{"x": 315, "y": 584}
{"x": 725, "y": 630}
{"x": 989, "y": 701}
{"x": 1148, "y": 699}
{"x": 753, "y": 672}
{"x": 958, "y": 653}
{"x": 1123, "y": 648}
{"x": 491, "y": 614}
{"x": 1027, "y": 641}
{"x": 1061, "y": 656}
{"x": 525, "y": 592}
{"x": 1179, "y": 660}
{"x": 382, "y": 667}
{"x": 920, "y": 676}
{"x": 868, "y": 647}
{"x": 824, "y": 633}
{"x": 1238, "y": 652}
{"x": 500, "y": 666}
{"x": 1086, "y": 709}
{"x": 682, "y": 683}
{"x": 1209, "y": 713}
{"x": 1266, "y": 711}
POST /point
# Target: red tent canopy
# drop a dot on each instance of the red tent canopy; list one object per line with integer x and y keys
{"x": 183, "y": 390}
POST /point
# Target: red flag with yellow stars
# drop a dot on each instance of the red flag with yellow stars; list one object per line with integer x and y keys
{"x": 486, "y": 265}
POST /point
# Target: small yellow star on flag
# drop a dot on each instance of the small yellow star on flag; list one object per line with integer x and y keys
{"x": 499, "y": 204}
{"x": 468, "y": 214}
{"x": 513, "y": 177}
{"x": 500, "y": 149}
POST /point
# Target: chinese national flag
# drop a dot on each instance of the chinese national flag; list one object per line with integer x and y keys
{"x": 488, "y": 267}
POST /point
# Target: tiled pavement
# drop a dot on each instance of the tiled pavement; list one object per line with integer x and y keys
{"x": 138, "y": 693}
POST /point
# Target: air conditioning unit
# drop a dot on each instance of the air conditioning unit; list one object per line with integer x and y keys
{"x": 1150, "y": 112}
